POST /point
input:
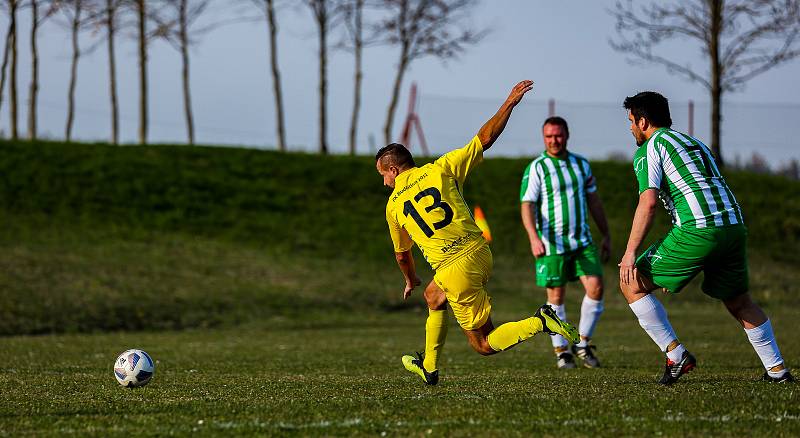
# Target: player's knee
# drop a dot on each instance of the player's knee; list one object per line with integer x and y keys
{"x": 436, "y": 302}
{"x": 596, "y": 292}
{"x": 739, "y": 304}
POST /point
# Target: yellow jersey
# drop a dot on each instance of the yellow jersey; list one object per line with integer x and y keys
{"x": 427, "y": 208}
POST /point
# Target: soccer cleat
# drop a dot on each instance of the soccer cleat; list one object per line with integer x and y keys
{"x": 414, "y": 364}
{"x": 552, "y": 325}
{"x": 586, "y": 354}
{"x": 787, "y": 377}
{"x": 675, "y": 370}
{"x": 565, "y": 361}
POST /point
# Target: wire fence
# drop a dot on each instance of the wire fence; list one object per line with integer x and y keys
{"x": 601, "y": 130}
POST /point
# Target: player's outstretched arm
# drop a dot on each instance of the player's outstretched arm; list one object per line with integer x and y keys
{"x": 495, "y": 126}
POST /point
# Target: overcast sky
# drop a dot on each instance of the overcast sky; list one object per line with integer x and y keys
{"x": 562, "y": 46}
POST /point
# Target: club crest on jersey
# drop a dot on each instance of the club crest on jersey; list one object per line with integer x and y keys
{"x": 638, "y": 166}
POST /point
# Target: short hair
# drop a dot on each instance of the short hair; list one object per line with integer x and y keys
{"x": 650, "y": 105}
{"x": 558, "y": 121}
{"x": 395, "y": 154}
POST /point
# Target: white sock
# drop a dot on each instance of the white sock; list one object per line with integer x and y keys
{"x": 763, "y": 341}
{"x": 590, "y": 314}
{"x": 561, "y": 312}
{"x": 654, "y": 321}
{"x": 676, "y": 354}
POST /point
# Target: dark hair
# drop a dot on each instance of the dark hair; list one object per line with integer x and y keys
{"x": 558, "y": 121}
{"x": 650, "y": 105}
{"x": 395, "y": 154}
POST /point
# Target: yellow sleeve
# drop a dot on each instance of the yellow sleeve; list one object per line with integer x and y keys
{"x": 400, "y": 239}
{"x": 460, "y": 162}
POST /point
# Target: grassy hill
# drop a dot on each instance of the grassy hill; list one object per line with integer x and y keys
{"x": 96, "y": 237}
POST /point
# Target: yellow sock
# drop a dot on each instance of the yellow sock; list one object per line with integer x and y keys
{"x": 435, "y": 334}
{"x": 512, "y": 333}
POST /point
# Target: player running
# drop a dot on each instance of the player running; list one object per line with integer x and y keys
{"x": 426, "y": 207}
{"x": 708, "y": 235}
{"x": 556, "y": 189}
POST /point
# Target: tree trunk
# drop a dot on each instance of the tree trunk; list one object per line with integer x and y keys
{"x": 398, "y": 80}
{"x": 73, "y": 77}
{"x": 276, "y": 75}
{"x": 142, "y": 72}
{"x": 323, "y": 80}
{"x": 716, "y": 79}
{"x": 3, "y": 68}
{"x": 358, "y": 77}
{"x": 187, "y": 98}
{"x": 12, "y": 86}
{"x": 111, "y": 9}
{"x": 33, "y": 91}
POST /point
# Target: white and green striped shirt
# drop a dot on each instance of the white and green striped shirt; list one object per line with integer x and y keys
{"x": 558, "y": 187}
{"x": 688, "y": 181}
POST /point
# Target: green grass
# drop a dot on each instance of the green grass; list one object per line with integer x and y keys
{"x": 265, "y": 287}
{"x": 168, "y": 237}
{"x": 344, "y": 377}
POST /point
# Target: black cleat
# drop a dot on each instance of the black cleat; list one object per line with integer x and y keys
{"x": 787, "y": 377}
{"x": 587, "y": 355}
{"x": 414, "y": 364}
{"x": 675, "y": 370}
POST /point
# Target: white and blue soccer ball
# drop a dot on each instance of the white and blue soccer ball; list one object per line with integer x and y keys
{"x": 134, "y": 368}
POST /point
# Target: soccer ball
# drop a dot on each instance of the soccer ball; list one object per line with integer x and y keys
{"x": 134, "y": 368}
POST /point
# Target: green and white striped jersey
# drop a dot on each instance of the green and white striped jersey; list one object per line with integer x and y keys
{"x": 558, "y": 187}
{"x": 688, "y": 181}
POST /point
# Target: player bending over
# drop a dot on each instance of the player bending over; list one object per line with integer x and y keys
{"x": 426, "y": 207}
{"x": 708, "y": 235}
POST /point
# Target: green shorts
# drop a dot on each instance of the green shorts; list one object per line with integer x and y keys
{"x": 719, "y": 252}
{"x": 557, "y": 270}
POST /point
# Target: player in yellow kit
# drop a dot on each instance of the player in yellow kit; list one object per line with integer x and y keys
{"x": 426, "y": 207}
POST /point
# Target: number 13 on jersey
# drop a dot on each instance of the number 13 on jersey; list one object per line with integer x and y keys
{"x": 410, "y": 210}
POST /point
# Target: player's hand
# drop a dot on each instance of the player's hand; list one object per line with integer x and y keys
{"x": 605, "y": 248}
{"x": 537, "y": 247}
{"x": 518, "y": 91}
{"x": 627, "y": 268}
{"x": 410, "y": 287}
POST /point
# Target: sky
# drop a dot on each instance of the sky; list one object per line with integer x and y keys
{"x": 561, "y": 46}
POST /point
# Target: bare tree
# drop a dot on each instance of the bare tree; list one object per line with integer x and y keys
{"x": 109, "y": 19}
{"x": 9, "y": 35}
{"x": 74, "y": 11}
{"x": 268, "y": 7}
{"x": 353, "y": 12}
{"x": 325, "y": 13}
{"x": 141, "y": 12}
{"x": 34, "y": 83}
{"x": 740, "y": 39}
{"x": 13, "y": 5}
{"x": 424, "y": 28}
{"x": 175, "y": 29}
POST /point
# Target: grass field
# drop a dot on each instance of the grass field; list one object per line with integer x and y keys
{"x": 343, "y": 377}
{"x": 264, "y": 286}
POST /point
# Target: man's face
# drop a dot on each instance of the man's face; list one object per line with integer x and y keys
{"x": 637, "y": 129}
{"x": 389, "y": 174}
{"x": 555, "y": 139}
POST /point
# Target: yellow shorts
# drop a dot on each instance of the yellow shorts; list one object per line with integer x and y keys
{"x": 464, "y": 284}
